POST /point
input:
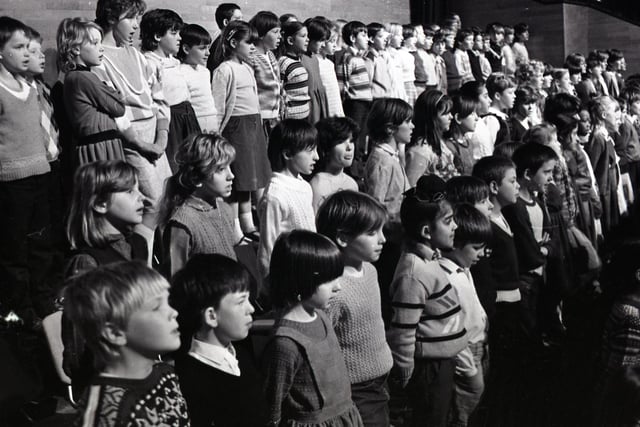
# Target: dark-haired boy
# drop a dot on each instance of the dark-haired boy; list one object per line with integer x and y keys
{"x": 225, "y": 13}
{"x": 471, "y": 237}
{"x": 502, "y": 92}
{"x": 377, "y": 61}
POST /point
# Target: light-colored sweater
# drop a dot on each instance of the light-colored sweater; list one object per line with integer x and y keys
{"x": 199, "y": 83}
{"x": 357, "y": 320}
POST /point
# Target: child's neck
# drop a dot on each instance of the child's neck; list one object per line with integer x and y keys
{"x": 496, "y": 212}
{"x": 300, "y": 313}
{"x": 457, "y": 258}
{"x": 525, "y": 193}
{"x": 391, "y": 142}
{"x": 161, "y": 53}
{"x": 293, "y": 52}
{"x": 288, "y": 171}
{"x": 209, "y": 336}
{"x": 129, "y": 364}
{"x": 334, "y": 169}
{"x": 352, "y": 266}
{"x": 109, "y": 40}
{"x": 8, "y": 77}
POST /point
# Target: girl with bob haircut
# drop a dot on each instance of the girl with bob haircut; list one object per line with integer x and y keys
{"x": 306, "y": 379}
{"x": 235, "y": 94}
{"x": 294, "y": 76}
{"x": 427, "y": 152}
{"x": 196, "y": 219}
{"x": 457, "y": 137}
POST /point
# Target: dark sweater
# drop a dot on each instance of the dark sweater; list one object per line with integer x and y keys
{"x": 528, "y": 249}
{"x": 504, "y": 260}
{"x": 216, "y": 398}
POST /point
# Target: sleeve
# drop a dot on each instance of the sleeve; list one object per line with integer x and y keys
{"x": 272, "y": 215}
{"x": 80, "y": 263}
{"x": 281, "y": 363}
{"x": 178, "y": 244}
{"x": 407, "y": 300}
{"x": 336, "y": 311}
{"x": 154, "y": 79}
{"x": 370, "y": 65}
{"x": 465, "y": 363}
{"x": 221, "y": 89}
{"x": 596, "y": 156}
{"x": 494, "y": 127}
{"x": 623, "y": 341}
{"x": 527, "y": 248}
{"x": 417, "y": 165}
{"x": 377, "y": 179}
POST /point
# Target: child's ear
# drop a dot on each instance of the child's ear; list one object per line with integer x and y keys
{"x": 352, "y": 39}
{"x": 286, "y": 155}
{"x": 233, "y": 43}
{"x": 75, "y": 50}
{"x": 342, "y": 240}
{"x": 100, "y": 207}
{"x": 493, "y": 187}
{"x": 185, "y": 49}
{"x": 527, "y": 175}
{"x": 114, "y": 335}
{"x": 290, "y": 40}
{"x": 425, "y": 233}
{"x": 210, "y": 317}
{"x": 456, "y": 117}
{"x": 157, "y": 37}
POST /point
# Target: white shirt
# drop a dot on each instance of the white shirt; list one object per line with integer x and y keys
{"x": 223, "y": 359}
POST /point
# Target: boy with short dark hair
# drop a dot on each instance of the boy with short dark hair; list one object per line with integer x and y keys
{"x": 495, "y": 31}
{"x": 377, "y": 61}
{"x": 502, "y": 92}
{"x": 211, "y": 294}
{"x": 122, "y": 312}
{"x": 225, "y": 13}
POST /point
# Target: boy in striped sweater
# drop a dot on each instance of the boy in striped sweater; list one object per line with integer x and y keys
{"x": 427, "y": 326}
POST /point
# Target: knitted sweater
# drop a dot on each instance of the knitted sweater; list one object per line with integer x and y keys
{"x": 378, "y": 69}
{"x": 295, "y": 79}
{"x": 285, "y": 206}
{"x": 357, "y": 320}
{"x": 353, "y": 78}
{"x": 22, "y": 145}
{"x": 330, "y": 83}
{"x": 198, "y": 81}
{"x": 267, "y": 73}
{"x": 427, "y": 320}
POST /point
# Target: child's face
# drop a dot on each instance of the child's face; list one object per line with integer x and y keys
{"x": 565, "y": 82}
{"x": 379, "y": 41}
{"x": 125, "y": 29}
{"x": 233, "y": 317}
{"x": 272, "y": 38}
{"x": 196, "y": 55}
{"x": 14, "y": 56}
{"x": 487, "y": 42}
{"x": 526, "y": 110}
{"x": 152, "y": 329}
{"x": 442, "y": 230}
{"x": 498, "y": 38}
{"x": 302, "y": 162}
{"x": 508, "y": 38}
{"x": 612, "y": 116}
{"x": 360, "y": 41}
{"x": 403, "y": 134}
{"x": 449, "y": 40}
{"x": 36, "y": 59}
{"x": 508, "y": 189}
{"x": 331, "y": 45}
{"x": 467, "y": 43}
{"x": 125, "y": 208}
{"x": 484, "y": 102}
{"x": 92, "y": 51}
{"x": 468, "y": 124}
{"x": 469, "y": 254}
{"x": 438, "y": 48}
{"x": 410, "y": 42}
{"x": 420, "y": 36}
{"x": 323, "y": 295}
{"x": 575, "y": 78}
{"x": 219, "y": 183}
{"x": 316, "y": 46}
{"x": 299, "y": 41}
{"x": 596, "y": 70}
{"x": 445, "y": 120}
{"x": 543, "y": 176}
{"x": 341, "y": 155}
{"x": 244, "y": 49}
{"x": 634, "y": 108}
{"x": 428, "y": 42}
{"x": 395, "y": 41}
{"x": 507, "y": 97}
{"x": 478, "y": 43}
{"x": 365, "y": 247}
{"x": 484, "y": 206}
{"x": 169, "y": 44}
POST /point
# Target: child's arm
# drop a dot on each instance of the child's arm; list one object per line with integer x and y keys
{"x": 163, "y": 111}
{"x": 281, "y": 362}
{"x": 377, "y": 179}
{"x": 493, "y": 125}
{"x": 465, "y": 363}
{"x": 178, "y": 243}
{"x": 223, "y": 93}
{"x": 272, "y": 215}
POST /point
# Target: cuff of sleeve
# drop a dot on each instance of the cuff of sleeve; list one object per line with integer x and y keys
{"x": 163, "y": 124}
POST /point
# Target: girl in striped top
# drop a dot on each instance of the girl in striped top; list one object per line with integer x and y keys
{"x": 295, "y": 77}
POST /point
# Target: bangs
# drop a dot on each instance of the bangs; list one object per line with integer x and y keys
{"x": 138, "y": 7}
{"x": 124, "y": 178}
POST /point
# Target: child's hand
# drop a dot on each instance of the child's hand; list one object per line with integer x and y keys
{"x": 544, "y": 251}
{"x": 150, "y": 151}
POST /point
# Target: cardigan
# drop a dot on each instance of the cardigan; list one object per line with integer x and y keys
{"x": 267, "y": 74}
{"x": 224, "y": 87}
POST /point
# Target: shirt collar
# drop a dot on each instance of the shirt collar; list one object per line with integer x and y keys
{"x": 223, "y": 359}
{"x": 449, "y": 266}
{"x": 424, "y": 251}
{"x": 387, "y": 149}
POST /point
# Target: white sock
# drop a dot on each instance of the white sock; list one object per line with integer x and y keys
{"x": 237, "y": 230}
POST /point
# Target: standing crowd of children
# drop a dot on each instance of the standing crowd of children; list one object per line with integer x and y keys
{"x": 397, "y": 203}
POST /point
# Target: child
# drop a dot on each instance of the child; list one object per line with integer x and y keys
{"x": 502, "y": 94}
{"x": 211, "y": 295}
{"x": 427, "y": 152}
{"x": 472, "y": 234}
{"x": 355, "y": 84}
{"x": 589, "y": 87}
{"x": 266, "y": 68}
{"x": 96, "y": 110}
{"x": 519, "y": 47}
{"x": 225, "y": 14}
{"x": 307, "y": 381}
{"x": 627, "y": 144}
{"x": 408, "y": 62}
{"x": 336, "y": 137}
{"x": 523, "y": 115}
{"x": 437, "y": 49}
{"x": 377, "y": 62}
{"x": 457, "y": 137}
{"x": 507, "y": 52}
{"x": 480, "y": 67}
{"x": 195, "y": 218}
{"x": 495, "y": 31}
{"x": 319, "y": 31}
{"x": 288, "y": 200}
{"x": 328, "y": 74}
{"x": 427, "y": 327}
{"x": 294, "y": 76}
{"x": 354, "y": 222}
{"x": 395, "y": 64}
{"x": 235, "y": 95}
{"x": 481, "y": 142}
{"x": 390, "y": 128}
{"x": 122, "y": 312}
{"x": 193, "y": 53}
{"x": 464, "y": 44}
{"x": 25, "y": 254}
{"x": 616, "y": 65}
{"x": 423, "y": 44}
{"x": 453, "y": 74}
{"x": 562, "y": 82}
{"x": 130, "y": 73}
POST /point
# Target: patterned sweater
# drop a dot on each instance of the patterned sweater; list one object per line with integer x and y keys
{"x": 295, "y": 79}
{"x": 427, "y": 320}
{"x": 119, "y": 402}
{"x": 353, "y": 78}
{"x": 267, "y": 73}
{"x": 357, "y": 320}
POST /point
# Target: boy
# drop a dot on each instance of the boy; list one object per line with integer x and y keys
{"x": 437, "y": 49}
{"x": 501, "y": 91}
{"x": 471, "y": 237}
{"x": 521, "y": 37}
{"x": 534, "y": 169}
{"x": 427, "y": 327}
{"x": 355, "y": 84}
{"x": 453, "y": 74}
{"x": 354, "y": 221}
{"x": 376, "y": 60}
{"x": 524, "y": 111}
{"x": 122, "y": 312}
{"x": 219, "y": 381}
{"x": 463, "y": 45}
{"x": 424, "y": 40}
{"x": 225, "y": 13}
{"x": 495, "y": 31}
{"x": 507, "y": 52}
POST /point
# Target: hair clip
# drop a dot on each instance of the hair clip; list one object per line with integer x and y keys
{"x": 231, "y": 34}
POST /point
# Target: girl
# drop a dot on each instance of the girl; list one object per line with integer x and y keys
{"x": 427, "y": 153}
{"x": 287, "y": 202}
{"x": 195, "y": 43}
{"x": 130, "y": 73}
{"x": 319, "y": 30}
{"x": 409, "y": 39}
{"x": 196, "y": 219}
{"x": 266, "y": 69}
{"x": 523, "y": 115}
{"x": 395, "y": 64}
{"x": 95, "y": 110}
{"x": 562, "y": 82}
{"x": 306, "y": 379}
{"x": 481, "y": 141}
{"x": 461, "y": 128}
{"x": 328, "y": 74}
{"x": 293, "y": 74}
{"x": 25, "y": 254}
{"x": 336, "y": 136}
{"x": 235, "y": 94}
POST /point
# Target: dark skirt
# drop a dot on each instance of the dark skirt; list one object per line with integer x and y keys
{"x": 251, "y": 167}
{"x": 184, "y": 122}
{"x": 105, "y": 145}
